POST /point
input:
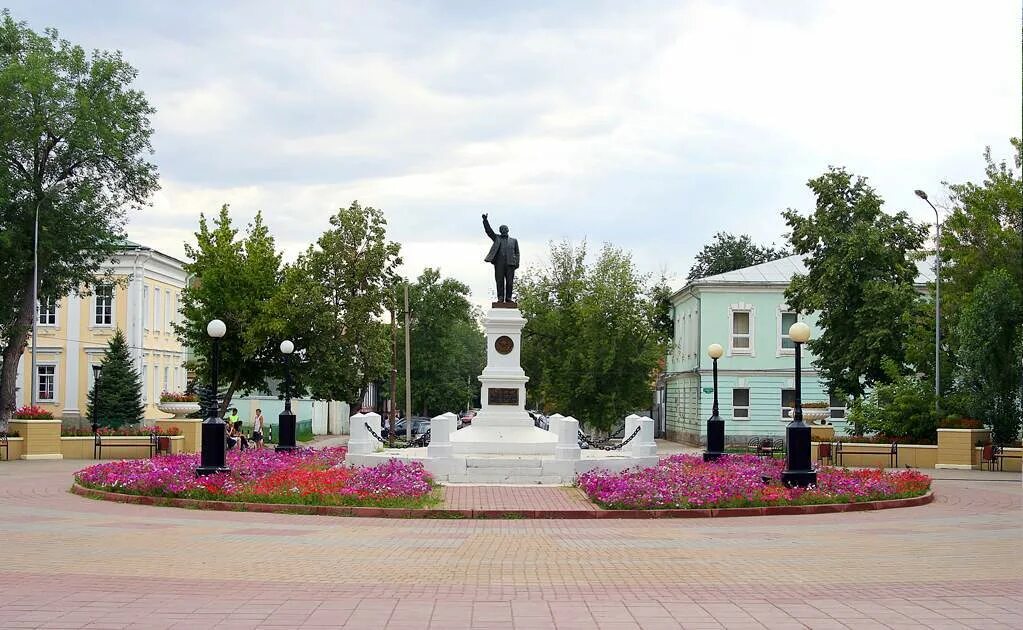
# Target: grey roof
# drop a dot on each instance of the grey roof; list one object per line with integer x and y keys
{"x": 781, "y": 271}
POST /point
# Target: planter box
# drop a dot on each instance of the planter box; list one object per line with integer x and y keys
{"x": 40, "y": 438}
{"x": 956, "y": 447}
{"x": 825, "y": 433}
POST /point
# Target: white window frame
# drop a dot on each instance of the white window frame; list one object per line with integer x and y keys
{"x": 145, "y": 382}
{"x": 56, "y": 381}
{"x": 51, "y": 320}
{"x": 95, "y": 307}
{"x": 783, "y": 332}
{"x": 156, "y": 383}
{"x": 145, "y": 306}
{"x": 789, "y": 417}
{"x": 739, "y": 308}
{"x": 166, "y": 311}
{"x": 156, "y": 309}
{"x": 166, "y": 379}
{"x": 747, "y": 406}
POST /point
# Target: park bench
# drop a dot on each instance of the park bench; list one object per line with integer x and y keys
{"x": 765, "y": 446}
{"x": 99, "y": 445}
{"x": 866, "y": 448}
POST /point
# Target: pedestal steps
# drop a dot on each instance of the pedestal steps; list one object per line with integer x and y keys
{"x": 507, "y": 470}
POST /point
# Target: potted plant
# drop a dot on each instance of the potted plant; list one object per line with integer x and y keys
{"x": 816, "y": 412}
{"x": 178, "y": 404}
{"x": 32, "y": 413}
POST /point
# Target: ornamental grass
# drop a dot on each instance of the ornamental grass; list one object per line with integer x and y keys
{"x": 687, "y": 482}
{"x": 304, "y": 476}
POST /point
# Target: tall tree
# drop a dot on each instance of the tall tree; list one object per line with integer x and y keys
{"x": 448, "y": 346}
{"x": 990, "y": 331}
{"x": 592, "y": 342}
{"x": 728, "y": 252}
{"x": 338, "y": 290}
{"x": 74, "y": 137}
{"x": 234, "y": 281}
{"x": 860, "y": 279}
{"x": 118, "y": 389}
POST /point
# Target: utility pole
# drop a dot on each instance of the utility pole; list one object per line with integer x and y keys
{"x": 937, "y": 301}
{"x": 408, "y": 375}
{"x": 394, "y": 368}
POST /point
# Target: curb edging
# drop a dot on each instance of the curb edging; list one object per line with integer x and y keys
{"x": 490, "y": 514}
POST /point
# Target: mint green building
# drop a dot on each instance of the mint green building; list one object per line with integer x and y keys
{"x": 744, "y": 311}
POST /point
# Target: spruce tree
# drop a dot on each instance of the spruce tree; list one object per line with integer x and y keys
{"x": 120, "y": 392}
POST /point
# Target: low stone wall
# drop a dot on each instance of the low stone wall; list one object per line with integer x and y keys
{"x": 191, "y": 431}
{"x": 40, "y": 438}
{"x": 114, "y": 447}
{"x": 15, "y": 447}
{"x": 956, "y": 447}
{"x": 863, "y": 455}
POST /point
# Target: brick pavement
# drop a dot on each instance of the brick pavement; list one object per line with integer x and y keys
{"x": 70, "y": 562}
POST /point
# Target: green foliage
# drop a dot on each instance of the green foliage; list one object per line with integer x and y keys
{"x": 448, "y": 347}
{"x": 73, "y": 141}
{"x": 859, "y": 279}
{"x": 332, "y": 300}
{"x": 991, "y": 347}
{"x": 234, "y": 281}
{"x": 591, "y": 344}
{"x": 118, "y": 387}
{"x": 901, "y": 407}
{"x": 728, "y": 252}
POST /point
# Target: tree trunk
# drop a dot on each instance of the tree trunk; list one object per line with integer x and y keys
{"x": 229, "y": 394}
{"x": 15, "y": 345}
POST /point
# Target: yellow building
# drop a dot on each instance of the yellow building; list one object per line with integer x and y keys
{"x": 142, "y": 301}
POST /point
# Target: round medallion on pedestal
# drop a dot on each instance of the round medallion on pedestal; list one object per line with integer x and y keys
{"x": 504, "y": 344}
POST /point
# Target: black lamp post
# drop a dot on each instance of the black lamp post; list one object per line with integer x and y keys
{"x": 214, "y": 431}
{"x": 286, "y": 420}
{"x": 715, "y": 425}
{"x": 798, "y": 470}
{"x": 95, "y": 398}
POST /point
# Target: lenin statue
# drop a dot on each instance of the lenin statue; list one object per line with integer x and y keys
{"x": 504, "y": 255}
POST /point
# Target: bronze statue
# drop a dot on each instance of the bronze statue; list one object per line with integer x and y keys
{"x": 504, "y": 255}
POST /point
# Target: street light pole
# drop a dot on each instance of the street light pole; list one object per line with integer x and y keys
{"x": 96, "y": 370}
{"x": 715, "y": 425}
{"x": 213, "y": 458}
{"x": 937, "y": 301}
{"x": 286, "y": 420}
{"x": 798, "y": 470}
{"x": 408, "y": 375}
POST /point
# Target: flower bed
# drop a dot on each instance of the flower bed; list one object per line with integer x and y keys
{"x": 32, "y": 413}
{"x": 686, "y": 482}
{"x": 304, "y": 476}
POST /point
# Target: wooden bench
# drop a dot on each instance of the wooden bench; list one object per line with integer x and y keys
{"x": 99, "y": 445}
{"x": 891, "y": 450}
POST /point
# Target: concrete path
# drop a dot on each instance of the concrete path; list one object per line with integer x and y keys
{"x": 69, "y": 562}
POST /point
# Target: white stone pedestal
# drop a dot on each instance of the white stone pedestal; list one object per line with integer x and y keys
{"x": 502, "y": 426}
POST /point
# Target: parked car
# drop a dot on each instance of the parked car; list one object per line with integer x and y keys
{"x": 466, "y": 418}
{"x": 539, "y": 420}
{"x": 420, "y": 426}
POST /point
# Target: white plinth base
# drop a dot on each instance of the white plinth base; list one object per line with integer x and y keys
{"x": 505, "y": 469}
{"x": 503, "y": 440}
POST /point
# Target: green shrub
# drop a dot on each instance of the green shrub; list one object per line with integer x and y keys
{"x": 904, "y": 406}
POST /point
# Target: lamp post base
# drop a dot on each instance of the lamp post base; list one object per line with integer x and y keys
{"x": 715, "y": 439}
{"x": 286, "y": 431}
{"x": 202, "y": 471}
{"x": 799, "y": 478}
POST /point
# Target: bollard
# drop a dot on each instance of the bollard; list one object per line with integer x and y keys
{"x": 552, "y": 423}
{"x": 441, "y": 429}
{"x": 643, "y": 445}
{"x": 568, "y": 439}
{"x": 362, "y": 441}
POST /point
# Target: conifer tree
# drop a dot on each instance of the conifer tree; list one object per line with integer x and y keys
{"x": 120, "y": 392}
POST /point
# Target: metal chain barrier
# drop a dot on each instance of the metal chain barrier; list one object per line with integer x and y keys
{"x": 605, "y": 445}
{"x": 419, "y": 442}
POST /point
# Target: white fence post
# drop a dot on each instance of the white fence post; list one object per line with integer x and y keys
{"x": 552, "y": 423}
{"x": 362, "y": 441}
{"x": 441, "y": 428}
{"x": 568, "y": 439}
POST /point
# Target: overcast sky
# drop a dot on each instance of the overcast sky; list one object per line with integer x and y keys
{"x": 650, "y": 125}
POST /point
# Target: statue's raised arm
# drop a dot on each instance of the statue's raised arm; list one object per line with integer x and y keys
{"x": 489, "y": 230}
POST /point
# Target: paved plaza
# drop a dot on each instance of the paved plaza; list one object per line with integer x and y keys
{"x": 71, "y": 562}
